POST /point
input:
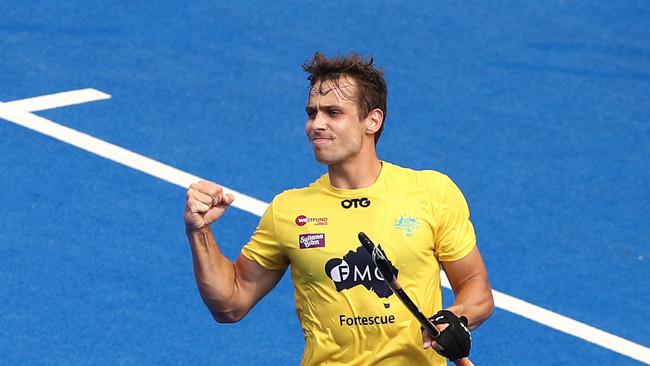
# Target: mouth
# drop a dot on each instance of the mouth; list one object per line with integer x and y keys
{"x": 320, "y": 140}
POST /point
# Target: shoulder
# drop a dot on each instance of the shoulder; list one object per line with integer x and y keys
{"x": 429, "y": 184}
{"x": 429, "y": 179}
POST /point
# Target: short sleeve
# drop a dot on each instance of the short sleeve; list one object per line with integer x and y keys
{"x": 455, "y": 237}
{"x": 264, "y": 247}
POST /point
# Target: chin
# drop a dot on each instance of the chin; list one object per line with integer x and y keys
{"x": 324, "y": 159}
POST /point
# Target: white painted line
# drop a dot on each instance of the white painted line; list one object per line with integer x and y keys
{"x": 57, "y": 100}
{"x": 16, "y": 113}
{"x": 566, "y": 325}
{"x": 116, "y": 153}
{"x": 572, "y": 327}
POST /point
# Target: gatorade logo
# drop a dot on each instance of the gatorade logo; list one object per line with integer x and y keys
{"x": 355, "y": 202}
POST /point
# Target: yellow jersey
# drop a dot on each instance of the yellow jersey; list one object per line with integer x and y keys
{"x": 348, "y": 314}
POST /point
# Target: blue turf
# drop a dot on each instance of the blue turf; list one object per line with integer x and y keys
{"x": 538, "y": 110}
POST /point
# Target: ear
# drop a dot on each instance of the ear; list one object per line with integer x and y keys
{"x": 374, "y": 120}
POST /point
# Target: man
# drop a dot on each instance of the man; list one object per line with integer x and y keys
{"x": 348, "y": 314}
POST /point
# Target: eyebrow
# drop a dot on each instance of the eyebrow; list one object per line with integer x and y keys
{"x": 323, "y": 107}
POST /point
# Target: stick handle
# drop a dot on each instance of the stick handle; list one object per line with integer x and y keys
{"x": 422, "y": 319}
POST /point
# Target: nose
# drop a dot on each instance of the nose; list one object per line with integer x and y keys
{"x": 320, "y": 122}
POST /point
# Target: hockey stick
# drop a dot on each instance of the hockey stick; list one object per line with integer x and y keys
{"x": 385, "y": 268}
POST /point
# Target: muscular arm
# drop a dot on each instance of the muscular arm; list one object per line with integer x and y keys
{"x": 469, "y": 281}
{"x": 228, "y": 289}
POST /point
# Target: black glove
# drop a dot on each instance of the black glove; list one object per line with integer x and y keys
{"x": 455, "y": 339}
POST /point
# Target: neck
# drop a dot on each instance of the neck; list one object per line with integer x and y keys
{"x": 359, "y": 173}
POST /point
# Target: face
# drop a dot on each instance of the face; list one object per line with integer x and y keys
{"x": 334, "y": 128}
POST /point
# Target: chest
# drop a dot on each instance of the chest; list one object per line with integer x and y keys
{"x": 321, "y": 236}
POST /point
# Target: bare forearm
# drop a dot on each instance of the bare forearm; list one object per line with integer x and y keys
{"x": 214, "y": 274}
{"x": 474, "y": 300}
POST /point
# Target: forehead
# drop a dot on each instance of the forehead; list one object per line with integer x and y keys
{"x": 341, "y": 91}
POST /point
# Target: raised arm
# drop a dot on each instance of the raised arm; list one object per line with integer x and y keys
{"x": 228, "y": 289}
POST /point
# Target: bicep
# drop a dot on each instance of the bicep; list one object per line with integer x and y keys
{"x": 253, "y": 281}
{"x": 468, "y": 279}
{"x": 470, "y": 267}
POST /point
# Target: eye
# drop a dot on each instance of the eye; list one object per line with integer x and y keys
{"x": 311, "y": 113}
{"x": 333, "y": 112}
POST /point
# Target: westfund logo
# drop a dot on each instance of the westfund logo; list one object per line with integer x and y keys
{"x": 302, "y": 220}
{"x": 355, "y": 203}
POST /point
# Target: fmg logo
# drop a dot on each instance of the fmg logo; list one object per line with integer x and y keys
{"x": 356, "y": 268}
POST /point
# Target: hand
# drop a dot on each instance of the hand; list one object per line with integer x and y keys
{"x": 206, "y": 203}
{"x": 454, "y": 341}
{"x": 430, "y": 342}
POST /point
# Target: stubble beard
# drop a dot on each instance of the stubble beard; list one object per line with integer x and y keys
{"x": 331, "y": 158}
{"x": 325, "y": 158}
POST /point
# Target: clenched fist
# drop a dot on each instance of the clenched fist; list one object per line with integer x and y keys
{"x": 206, "y": 203}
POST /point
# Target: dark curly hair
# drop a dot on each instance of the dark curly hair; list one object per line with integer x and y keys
{"x": 371, "y": 86}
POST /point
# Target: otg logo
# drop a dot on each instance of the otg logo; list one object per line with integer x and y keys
{"x": 355, "y": 202}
